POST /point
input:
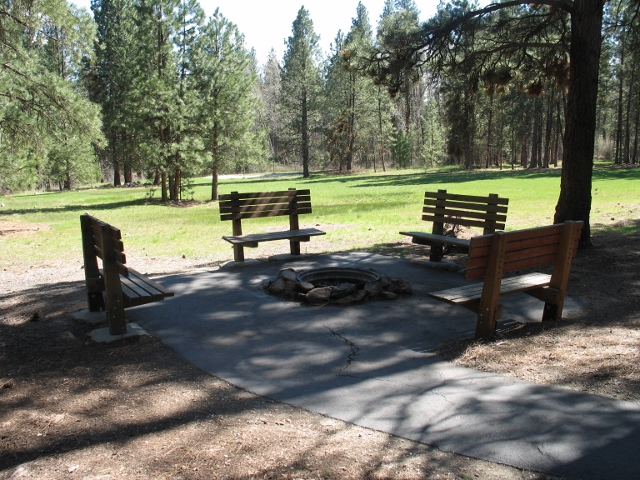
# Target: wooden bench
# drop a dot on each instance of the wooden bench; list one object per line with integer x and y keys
{"x": 123, "y": 287}
{"x": 488, "y": 213}
{"x": 494, "y": 255}
{"x": 238, "y": 206}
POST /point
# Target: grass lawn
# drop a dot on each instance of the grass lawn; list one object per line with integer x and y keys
{"x": 357, "y": 211}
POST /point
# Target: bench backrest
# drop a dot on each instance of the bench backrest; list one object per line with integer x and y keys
{"x": 101, "y": 240}
{"x": 519, "y": 249}
{"x": 237, "y": 206}
{"x": 488, "y": 213}
{"x": 234, "y": 206}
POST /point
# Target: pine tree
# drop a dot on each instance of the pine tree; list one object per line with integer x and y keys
{"x": 115, "y": 66}
{"x": 225, "y": 82}
{"x": 301, "y": 83}
{"x": 271, "y": 115}
{"x": 188, "y": 142}
{"x": 41, "y": 98}
{"x": 351, "y": 99}
{"x": 154, "y": 89}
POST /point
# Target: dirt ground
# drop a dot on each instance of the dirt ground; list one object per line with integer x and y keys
{"x": 71, "y": 408}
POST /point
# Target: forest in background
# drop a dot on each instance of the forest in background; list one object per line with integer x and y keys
{"x": 153, "y": 90}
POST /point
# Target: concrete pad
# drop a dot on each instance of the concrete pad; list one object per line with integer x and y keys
{"x": 90, "y": 317}
{"x": 373, "y": 365}
{"x": 247, "y": 262}
{"x": 102, "y": 335}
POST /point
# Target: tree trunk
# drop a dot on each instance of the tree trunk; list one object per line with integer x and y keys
{"x": 163, "y": 181}
{"x": 171, "y": 187}
{"x": 618, "y": 151}
{"x": 546, "y": 159}
{"x": 536, "y": 139}
{"x": 634, "y": 154}
{"x": 574, "y": 202}
{"x": 489, "y": 132}
{"x": 214, "y": 182}
{"x": 128, "y": 173}
{"x": 627, "y": 127}
{"x": 215, "y": 153}
{"x": 523, "y": 152}
{"x": 116, "y": 174}
{"x": 175, "y": 181}
{"x": 305, "y": 138}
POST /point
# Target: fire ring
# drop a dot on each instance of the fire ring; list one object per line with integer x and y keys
{"x": 332, "y": 276}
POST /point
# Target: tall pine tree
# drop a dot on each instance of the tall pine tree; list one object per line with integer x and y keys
{"x": 301, "y": 82}
{"x": 225, "y": 83}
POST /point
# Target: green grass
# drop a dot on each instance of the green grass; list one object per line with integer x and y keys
{"x": 357, "y": 211}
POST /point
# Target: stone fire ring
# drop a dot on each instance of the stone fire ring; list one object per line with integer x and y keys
{"x": 336, "y": 285}
{"x": 336, "y": 275}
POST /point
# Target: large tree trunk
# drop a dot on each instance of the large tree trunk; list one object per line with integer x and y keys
{"x": 215, "y": 154}
{"x": 574, "y": 202}
{"x": 163, "y": 180}
{"x": 214, "y": 181}
{"x": 305, "y": 138}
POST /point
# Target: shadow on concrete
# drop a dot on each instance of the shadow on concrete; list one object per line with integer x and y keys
{"x": 371, "y": 365}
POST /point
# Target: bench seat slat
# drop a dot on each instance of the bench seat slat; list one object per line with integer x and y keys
{"x": 254, "y": 238}
{"x": 139, "y": 278}
{"x": 138, "y": 289}
{"x": 458, "y": 220}
{"x": 470, "y": 293}
{"x": 431, "y": 239}
{"x": 134, "y": 294}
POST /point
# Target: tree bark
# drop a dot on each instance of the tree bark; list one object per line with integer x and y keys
{"x": 305, "y": 138}
{"x": 214, "y": 182}
{"x": 163, "y": 186}
{"x": 574, "y": 202}
{"x": 215, "y": 153}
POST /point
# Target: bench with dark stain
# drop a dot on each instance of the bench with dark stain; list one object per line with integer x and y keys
{"x": 494, "y": 255}
{"x": 440, "y": 208}
{"x": 115, "y": 286}
{"x": 238, "y": 206}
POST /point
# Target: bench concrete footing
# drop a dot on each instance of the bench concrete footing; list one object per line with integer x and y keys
{"x": 102, "y": 335}
{"x": 233, "y": 264}
{"x": 90, "y": 317}
{"x": 442, "y": 265}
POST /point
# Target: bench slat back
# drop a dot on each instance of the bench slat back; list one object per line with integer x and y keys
{"x": 237, "y": 206}
{"x": 466, "y": 210}
{"x": 524, "y": 248}
{"x": 109, "y": 237}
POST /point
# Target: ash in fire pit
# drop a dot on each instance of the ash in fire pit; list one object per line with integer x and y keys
{"x": 337, "y": 285}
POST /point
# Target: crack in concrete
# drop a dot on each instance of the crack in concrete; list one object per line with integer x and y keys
{"x": 352, "y": 346}
{"x": 444, "y": 397}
